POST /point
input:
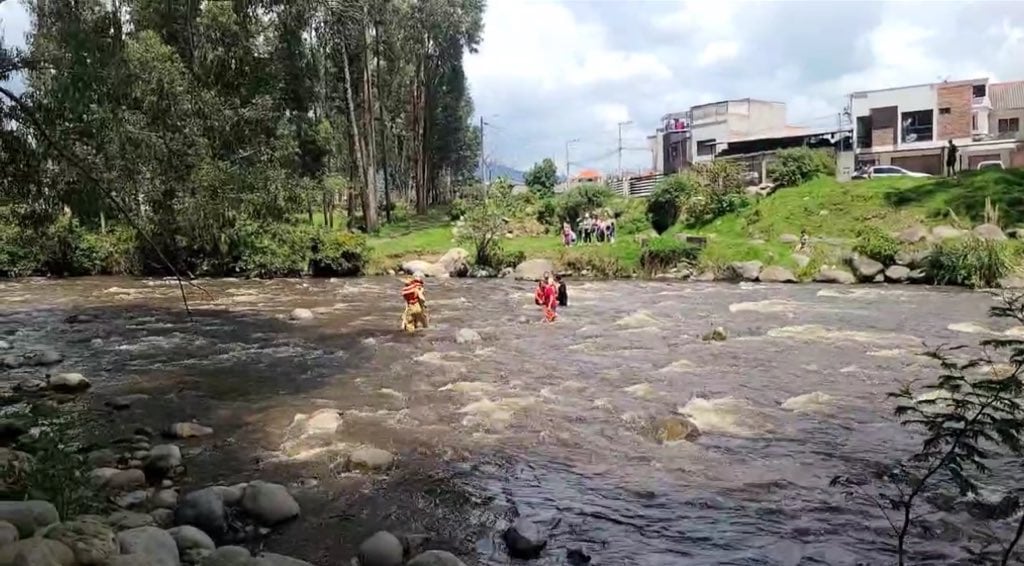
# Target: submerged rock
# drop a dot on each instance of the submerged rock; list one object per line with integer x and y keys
{"x": 467, "y": 336}
{"x": 436, "y": 558}
{"x": 717, "y": 334}
{"x": 672, "y": 429}
{"x": 125, "y": 401}
{"x": 524, "y": 539}
{"x": 370, "y": 460}
{"x": 42, "y": 358}
{"x": 382, "y": 549}
{"x": 269, "y": 503}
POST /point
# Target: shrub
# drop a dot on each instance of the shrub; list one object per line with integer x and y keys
{"x": 547, "y": 213}
{"x": 338, "y": 254}
{"x": 665, "y": 204}
{"x": 274, "y": 251}
{"x": 712, "y": 192}
{"x": 457, "y": 209}
{"x": 114, "y": 252}
{"x": 582, "y": 199}
{"x": 663, "y": 253}
{"x": 20, "y": 255}
{"x": 798, "y": 165}
{"x": 630, "y": 216}
{"x": 972, "y": 262}
{"x": 596, "y": 264}
{"x": 721, "y": 175}
{"x": 486, "y": 224}
{"x": 877, "y": 244}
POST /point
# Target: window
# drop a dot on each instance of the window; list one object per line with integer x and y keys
{"x": 706, "y": 147}
{"x": 945, "y": 110}
{"x": 917, "y": 126}
{"x": 1007, "y": 125}
{"x": 979, "y": 91}
{"x": 864, "y": 131}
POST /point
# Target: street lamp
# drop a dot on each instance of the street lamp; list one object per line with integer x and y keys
{"x": 567, "y": 144}
{"x": 620, "y": 124}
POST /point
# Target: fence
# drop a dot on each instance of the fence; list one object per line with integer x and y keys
{"x": 639, "y": 186}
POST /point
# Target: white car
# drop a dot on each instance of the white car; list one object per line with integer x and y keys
{"x": 989, "y": 165}
{"x": 887, "y": 171}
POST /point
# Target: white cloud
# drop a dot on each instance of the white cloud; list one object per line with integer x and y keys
{"x": 718, "y": 52}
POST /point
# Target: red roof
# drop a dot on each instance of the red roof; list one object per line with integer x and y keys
{"x": 588, "y": 174}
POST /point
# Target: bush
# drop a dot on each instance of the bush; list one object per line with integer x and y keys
{"x": 798, "y": 165}
{"x": 877, "y": 244}
{"x": 338, "y": 254}
{"x": 972, "y": 262}
{"x": 582, "y": 199}
{"x": 663, "y": 253}
{"x": 630, "y": 216}
{"x": 486, "y": 224}
{"x": 595, "y": 264}
{"x": 457, "y": 209}
{"x": 114, "y": 252}
{"x": 20, "y": 255}
{"x": 274, "y": 251}
{"x": 547, "y": 213}
{"x": 665, "y": 204}
{"x": 712, "y": 193}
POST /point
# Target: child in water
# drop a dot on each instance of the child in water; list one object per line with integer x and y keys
{"x": 415, "y": 315}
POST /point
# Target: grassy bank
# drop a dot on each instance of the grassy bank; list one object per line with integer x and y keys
{"x": 833, "y": 214}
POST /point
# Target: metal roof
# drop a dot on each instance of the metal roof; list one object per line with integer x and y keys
{"x": 1006, "y": 96}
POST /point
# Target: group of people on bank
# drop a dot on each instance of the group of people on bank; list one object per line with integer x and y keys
{"x": 551, "y": 293}
{"x": 597, "y": 227}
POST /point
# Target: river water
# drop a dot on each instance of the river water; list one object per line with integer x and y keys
{"x": 534, "y": 419}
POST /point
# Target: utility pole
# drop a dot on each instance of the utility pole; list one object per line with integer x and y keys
{"x": 572, "y": 141}
{"x": 483, "y": 163}
{"x": 626, "y": 123}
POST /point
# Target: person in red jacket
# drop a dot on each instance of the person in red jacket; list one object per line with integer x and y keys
{"x": 549, "y": 297}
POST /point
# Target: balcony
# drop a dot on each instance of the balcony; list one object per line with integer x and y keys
{"x": 981, "y": 102}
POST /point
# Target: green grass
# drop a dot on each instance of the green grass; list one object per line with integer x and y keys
{"x": 824, "y": 207}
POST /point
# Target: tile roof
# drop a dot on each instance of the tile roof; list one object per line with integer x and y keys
{"x": 1006, "y": 96}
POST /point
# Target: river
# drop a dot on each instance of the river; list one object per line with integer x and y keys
{"x": 533, "y": 419}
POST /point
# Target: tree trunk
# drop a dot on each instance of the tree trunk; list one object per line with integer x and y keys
{"x": 383, "y": 128}
{"x": 357, "y": 140}
{"x": 370, "y": 139}
{"x": 419, "y": 135}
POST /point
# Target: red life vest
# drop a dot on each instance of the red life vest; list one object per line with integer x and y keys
{"x": 411, "y": 292}
{"x": 538, "y": 295}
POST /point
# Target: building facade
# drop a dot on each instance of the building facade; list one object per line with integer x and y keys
{"x": 911, "y": 126}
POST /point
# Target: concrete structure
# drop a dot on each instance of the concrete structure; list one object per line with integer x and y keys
{"x": 911, "y": 126}
{"x": 755, "y": 153}
{"x": 699, "y": 133}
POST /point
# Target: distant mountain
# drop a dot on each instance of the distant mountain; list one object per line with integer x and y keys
{"x": 497, "y": 170}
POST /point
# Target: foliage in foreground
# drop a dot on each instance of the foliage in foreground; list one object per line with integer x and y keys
{"x": 972, "y": 262}
{"x": 486, "y": 223}
{"x": 57, "y": 471}
{"x": 972, "y": 419}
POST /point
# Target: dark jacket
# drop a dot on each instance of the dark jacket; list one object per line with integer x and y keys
{"x": 563, "y": 295}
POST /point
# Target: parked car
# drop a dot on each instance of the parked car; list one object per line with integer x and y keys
{"x": 886, "y": 171}
{"x": 989, "y": 165}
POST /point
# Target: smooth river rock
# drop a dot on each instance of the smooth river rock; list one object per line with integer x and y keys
{"x": 897, "y": 274}
{"x": 162, "y": 460}
{"x": 525, "y": 539}
{"x": 8, "y": 533}
{"x": 203, "y": 509}
{"x": 835, "y": 276}
{"x": 467, "y": 336}
{"x": 370, "y": 460}
{"x": 989, "y": 232}
{"x": 155, "y": 544}
{"x": 426, "y": 268}
{"x": 37, "y": 551}
{"x": 68, "y": 383}
{"x": 301, "y": 314}
{"x": 124, "y": 520}
{"x": 744, "y": 270}
{"x": 455, "y": 262}
{"x": 382, "y": 549}
{"x": 188, "y": 430}
{"x": 534, "y": 269}
{"x": 776, "y": 274}
{"x": 913, "y": 235}
{"x": 865, "y": 268}
{"x": 28, "y": 516}
{"x": 717, "y": 334}
{"x": 269, "y": 503}
{"x": 189, "y": 538}
{"x": 673, "y": 429}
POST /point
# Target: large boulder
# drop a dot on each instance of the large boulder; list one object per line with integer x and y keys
{"x": 92, "y": 542}
{"x": 989, "y": 232}
{"x": 945, "y": 232}
{"x": 28, "y": 516}
{"x": 203, "y": 509}
{"x": 913, "y": 235}
{"x": 68, "y": 383}
{"x": 897, "y": 274}
{"x": 36, "y": 551}
{"x": 534, "y": 269}
{"x": 839, "y": 276}
{"x": 425, "y": 267}
{"x": 153, "y": 543}
{"x": 382, "y": 549}
{"x": 865, "y": 268}
{"x": 455, "y": 262}
{"x": 269, "y": 503}
{"x": 189, "y": 538}
{"x": 744, "y": 270}
{"x": 776, "y": 274}
{"x": 525, "y": 539}
{"x": 436, "y": 558}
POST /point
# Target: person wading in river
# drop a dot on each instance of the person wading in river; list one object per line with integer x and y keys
{"x": 415, "y": 315}
{"x": 548, "y": 295}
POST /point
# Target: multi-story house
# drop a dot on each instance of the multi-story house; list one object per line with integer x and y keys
{"x": 698, "y": 134}
{"x": 911, "y": 126}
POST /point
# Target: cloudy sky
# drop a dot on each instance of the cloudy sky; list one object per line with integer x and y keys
{"x": 553, "y": 70}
